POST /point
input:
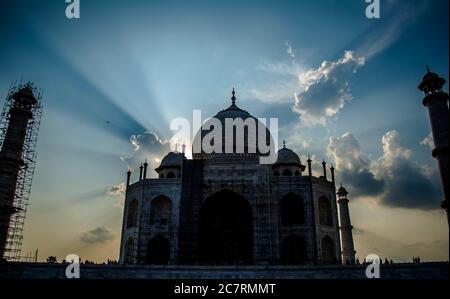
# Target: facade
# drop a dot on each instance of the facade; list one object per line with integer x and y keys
{"x": 225, "y": 209}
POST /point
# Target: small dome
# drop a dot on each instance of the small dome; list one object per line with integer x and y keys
{"x": 430, "y": 76}
{"x": 431, "y": 81}
{"x": 287, "y": 156}
{"x": 342, "y": 190}
{"x": 172, "y": 159}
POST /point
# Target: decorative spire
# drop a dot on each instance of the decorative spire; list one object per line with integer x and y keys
{"x": 233, "y": 98}
{"x": 284, "y": 143}
{"x": 428, "y": 69}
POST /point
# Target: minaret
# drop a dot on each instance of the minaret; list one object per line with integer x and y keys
{"x": 324, "y": 166}
{"x": 128, "y": 177}
{"x": 436, "y": 101}
{"x": 309, "y": 166}
{"x": 145, "y": 170}
{"x": 348, "y": 248}
{"x": 141, "y": 170}
{"x": 11, "y": 162}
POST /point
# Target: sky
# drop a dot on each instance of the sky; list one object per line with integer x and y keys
{"x": 344, "y": 88}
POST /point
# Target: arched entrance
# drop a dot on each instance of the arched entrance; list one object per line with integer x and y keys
{"x": 292, "y": 210}
{"x": 328, "y": 252}
{"x": 325, "y": 214}
{"x": 129, "y": 251}
{"x": 158, "y": 251}
{"x": 294, "y": 250}
{"x": 226, "y": 229}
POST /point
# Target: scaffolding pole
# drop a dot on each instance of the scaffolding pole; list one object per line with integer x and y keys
{"x": 25, "y": 176}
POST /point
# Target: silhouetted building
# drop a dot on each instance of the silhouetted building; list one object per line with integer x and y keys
{"x": 436, "y": 101}
{"x": 230, "y": 209}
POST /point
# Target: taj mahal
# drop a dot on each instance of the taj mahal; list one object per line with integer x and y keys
{"x": 229, "y": 209}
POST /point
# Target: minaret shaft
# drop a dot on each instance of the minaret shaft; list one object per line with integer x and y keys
{"x": 11, "y": 159}
{"x": 436, "y": 102}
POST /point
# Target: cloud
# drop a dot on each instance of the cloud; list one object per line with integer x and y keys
{"x": 117, "y": 192}
{"x": 289, "y": 50}
{"x": 325, "y": 90}
{"x": 273, "y": 82}
{"x": 394, "y": 179}
{"x": 353, "y": 166}
{"x": 97, "y": 235}
{"x": 428, "y": 141}
{"x": 407, "y": 182}
{"x": 147, "y": 146}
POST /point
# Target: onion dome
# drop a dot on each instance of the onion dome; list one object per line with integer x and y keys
{"x": 172, "y": 159}
{"x": 233, "y": 113}
{"x": 342, "y": 191}
{"x": 287, "y": 156}
{"x": 431, "y": 82}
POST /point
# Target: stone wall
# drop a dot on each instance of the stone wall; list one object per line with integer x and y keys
{"x": 57, "y": 271}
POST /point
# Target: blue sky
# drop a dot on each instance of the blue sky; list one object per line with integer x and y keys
{"x": 126, "y": 67}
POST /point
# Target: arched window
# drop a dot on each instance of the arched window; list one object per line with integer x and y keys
{"x": 132, "y": 214}
{"x": 287, "y": 172}
{"x": 276, "y": 173}
{"x": 129, "y": 252}
{"x": 328, "y": 252}
{"x": 160, "y": 210}
{"x": 294, "y": 250}
{"x": 325, "y": 215}
{"x": 292, "y": 210}
{"x": 158, "y": 251}
{"x": 171, "y": 175}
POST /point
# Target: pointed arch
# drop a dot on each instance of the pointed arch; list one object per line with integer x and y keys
{"x": 292, "y": 210}
{"x": 226, "y": 232}
{"x": 132, "y": 217}
{"x": 294, "y": 250}
{"x": 158, "y": 251}
{"x": 325, "y": 213}
{"x": 129, "y": 251}
{"x": 328, "y": 250}
{"x": 160, "y": 210}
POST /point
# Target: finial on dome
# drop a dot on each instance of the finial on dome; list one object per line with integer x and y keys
{"x": 428, "y": 69}
{"x": 233, "y": 98}
{"x": 284, "y": 143}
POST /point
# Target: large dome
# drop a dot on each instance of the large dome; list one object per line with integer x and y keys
{"x": 233, "y": 113}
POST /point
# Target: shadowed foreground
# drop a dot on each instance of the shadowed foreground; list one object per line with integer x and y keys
{"x": 438, "y": 270}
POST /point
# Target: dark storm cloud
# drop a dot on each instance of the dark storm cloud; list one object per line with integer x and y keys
{"x": 97, "y": 235}
{"x": 407, "y": 183}
{"x": 395, "y": 179}
{"x": 353, "y": 166}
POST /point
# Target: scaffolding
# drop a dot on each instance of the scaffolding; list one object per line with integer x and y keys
{"x": 25, "y": 177}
